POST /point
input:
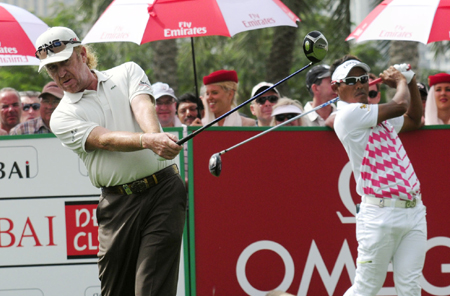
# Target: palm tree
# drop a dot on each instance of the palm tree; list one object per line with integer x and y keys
{"x": 284, "y": 39}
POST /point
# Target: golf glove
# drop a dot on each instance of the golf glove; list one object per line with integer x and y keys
{"x": 405, "y": 69}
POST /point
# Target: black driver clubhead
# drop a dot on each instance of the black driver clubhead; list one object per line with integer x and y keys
{"x": 215, "y": 164}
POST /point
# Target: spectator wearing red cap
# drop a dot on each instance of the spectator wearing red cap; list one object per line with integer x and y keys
{"x": 220, "y": 97}
{"x": 437, "y": 110}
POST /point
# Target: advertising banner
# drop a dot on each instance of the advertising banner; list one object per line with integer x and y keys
{"x": 48, "y": 226}
{"x": 281, "y": 216}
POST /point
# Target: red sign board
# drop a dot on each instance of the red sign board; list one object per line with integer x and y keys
{"x": 81, "y": 229}
{"x": 281, "y": 214}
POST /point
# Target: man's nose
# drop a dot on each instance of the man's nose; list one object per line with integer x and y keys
{"x": 61, "y": 71}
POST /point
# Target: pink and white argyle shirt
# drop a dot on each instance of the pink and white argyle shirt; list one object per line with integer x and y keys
{"x": 379, "y": 161}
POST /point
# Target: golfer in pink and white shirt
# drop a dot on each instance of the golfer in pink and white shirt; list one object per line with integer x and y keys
{"x": 391, "y": 224}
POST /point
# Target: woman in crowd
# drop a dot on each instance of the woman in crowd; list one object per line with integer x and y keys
{"x": 286, "y": 109}
{"x": 220, "y": 97}
{"x": 437, "y": 110}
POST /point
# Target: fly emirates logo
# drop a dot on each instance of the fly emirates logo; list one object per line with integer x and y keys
{"x": 185, "y": 29}
{"x": 9, "y": 50}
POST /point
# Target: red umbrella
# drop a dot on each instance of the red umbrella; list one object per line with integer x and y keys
{"x": 142, "y": 21}
{"x": 19, "y": 30}
{"x": 406, "y": 20}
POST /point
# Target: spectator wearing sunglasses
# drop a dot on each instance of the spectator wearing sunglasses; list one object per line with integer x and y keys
{"x": 374, "y": 95}
{"x": 286, "y": 109}
{"x": 108, "y": 119}
{"x": 262, "y": 106}
{"x": 391, "y": 221}
{"x": 30, "y": 105}
{"x": 437, "y": 109}
{"x": 49, "y": 99}
{"x": 10, "y": 109}
{"x": 318, "y": 83}
{"x": 220, "y": 97}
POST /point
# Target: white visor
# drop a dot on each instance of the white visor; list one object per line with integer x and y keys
{"x": 286, "y": 109}
{"x": 342, "y": 71}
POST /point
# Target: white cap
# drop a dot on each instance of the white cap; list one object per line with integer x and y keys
{"x": 286, "y": 109}
{"x": 343, "y": 69}
{"x": 264, "y": 85}
{"x": 52, "y": 34}
{"x": 162, "y": 89}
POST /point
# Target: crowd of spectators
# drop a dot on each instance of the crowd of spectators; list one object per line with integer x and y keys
{"x": 28, "y": 112}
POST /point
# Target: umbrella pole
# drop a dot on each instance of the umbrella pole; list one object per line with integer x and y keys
{"x": 195, "y": 69}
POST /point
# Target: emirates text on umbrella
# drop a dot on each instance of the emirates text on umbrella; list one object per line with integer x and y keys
{"x": 185, "y": 29}
{"x": 6, "y": 49}
{"x": 13, "y": 59}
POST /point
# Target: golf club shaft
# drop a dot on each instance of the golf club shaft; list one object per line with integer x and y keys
{"x": 281, "y": 124}
{"x": 376, "y": 81}
{"x": 190, "y": 136}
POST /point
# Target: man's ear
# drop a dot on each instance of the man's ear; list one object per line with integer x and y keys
{"x": 252, "y": 109}
{"x": 314, "y": 88}
{"x": 83, "y": 54}
{"x": 334, "y": 87}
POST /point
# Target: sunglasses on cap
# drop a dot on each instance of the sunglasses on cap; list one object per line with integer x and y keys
{"x": 271, "y": 99}
{"x": 373, "y": 94}
{"x": 56, "y": 46}
{"x": 35, "y": 106}
{"x": 283, "y": 117}
{"x": 353, "y": 80}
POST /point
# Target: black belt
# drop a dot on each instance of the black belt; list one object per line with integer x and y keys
{"x": 143, "y": 184}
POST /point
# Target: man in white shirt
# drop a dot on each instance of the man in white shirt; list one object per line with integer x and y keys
{"x": 108, "y": 118}
{"x": 318, "y": 83}
{"x": 391, "y": 224}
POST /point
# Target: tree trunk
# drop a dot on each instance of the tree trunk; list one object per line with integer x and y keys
{"x": 281, "y": 55}
{"x": 164, "y": 62}
{"x": 280, "y": 59}
{"x": 401, "y": 52}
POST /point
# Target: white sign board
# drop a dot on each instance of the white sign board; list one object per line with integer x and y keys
{"x": 48, "y": 226}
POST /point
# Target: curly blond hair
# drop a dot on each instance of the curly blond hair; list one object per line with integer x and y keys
{"x": 91, "y": 55}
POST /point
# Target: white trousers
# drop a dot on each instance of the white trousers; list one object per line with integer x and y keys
{"x": 388, "y": 234}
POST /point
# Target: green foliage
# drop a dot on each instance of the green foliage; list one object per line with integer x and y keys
{"x": 213, "y": 53}
{"x": 247, "y": 53}
{"x": 22, "y": 78}
{"x": 370, "y": 54}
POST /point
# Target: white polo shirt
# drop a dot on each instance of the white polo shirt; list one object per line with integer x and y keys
{"x": 379, "y": 162}
{"x": 110, "y": 107}
{"x": 314, "y": 119}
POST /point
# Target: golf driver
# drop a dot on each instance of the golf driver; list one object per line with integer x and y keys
{"x": 315, "y": 47}
{"x": 215, "y": 162}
